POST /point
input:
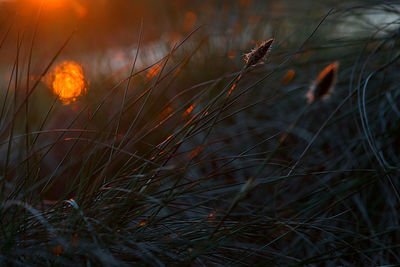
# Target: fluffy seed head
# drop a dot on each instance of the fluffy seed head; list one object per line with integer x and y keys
{"x": 323, "y": 86}
{"x": 258, "y": 53}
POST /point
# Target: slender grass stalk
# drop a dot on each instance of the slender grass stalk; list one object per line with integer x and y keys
{"x": 11, "y": 133}
{"x": 28, "y": 77}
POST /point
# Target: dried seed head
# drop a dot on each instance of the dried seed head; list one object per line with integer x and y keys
{"x": 323, "y": 86}
{"x": 258, "y": 53}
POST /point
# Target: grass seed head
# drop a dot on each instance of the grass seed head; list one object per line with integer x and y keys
{"x": 258, "y": 53}
{"x": 323, "y": 86}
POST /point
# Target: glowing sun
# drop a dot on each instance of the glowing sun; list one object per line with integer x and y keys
{"x": 67, "y": 81}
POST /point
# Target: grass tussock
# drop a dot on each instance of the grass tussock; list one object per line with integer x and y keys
{"x": 174, "y": 162}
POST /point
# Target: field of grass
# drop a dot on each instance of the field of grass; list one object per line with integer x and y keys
{"x": 178, "y": 152}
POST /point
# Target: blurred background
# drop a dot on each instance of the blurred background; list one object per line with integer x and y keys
{"x": 105, "y": 33}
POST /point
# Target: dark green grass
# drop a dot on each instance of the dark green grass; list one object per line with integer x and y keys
{"x": 132, "y": 184}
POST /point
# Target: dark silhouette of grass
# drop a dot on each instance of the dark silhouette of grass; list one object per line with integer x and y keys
{"x": 176, "y": 168}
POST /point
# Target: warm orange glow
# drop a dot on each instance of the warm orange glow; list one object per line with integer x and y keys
{"x": 166, "y": 140}
{"x": 80, "y": 10}
{"x": 195, "y": 152}
{"x": 331, "y": 67}
{"x": 288, "y": 76}
{"x": 153, "y": 71}
{"x": 245, "y": 3}
{"x": 68, "y": 81}
{"x": 322, "y": 87}
{"x": 234, "y": 85}
{"x": 59, "y": 6}
{"x": 166, "y": 113}
{"x": 231, "y": 54}
{"x": 190, "y": 21}
{"x": 48, "y": 3}
{"x": 189, "y": 110}
{"x": 211, "y": 217}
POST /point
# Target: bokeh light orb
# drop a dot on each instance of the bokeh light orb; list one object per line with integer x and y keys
{"x": 67, "y": 81}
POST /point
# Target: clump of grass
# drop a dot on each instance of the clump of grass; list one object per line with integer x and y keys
{"x": 157, "y": 169}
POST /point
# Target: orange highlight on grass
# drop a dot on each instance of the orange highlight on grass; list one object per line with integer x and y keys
{"x": 67, "y": 81}
{"x": 189, "y": 110}
{"x": 166, "y": 113}
{"x": 323, "y": 86}
{"x": 288, "y": 77}
{"x": 195, "y": 152}
{"x": 153, "y": 71}
{"x": 211, "y": 217}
